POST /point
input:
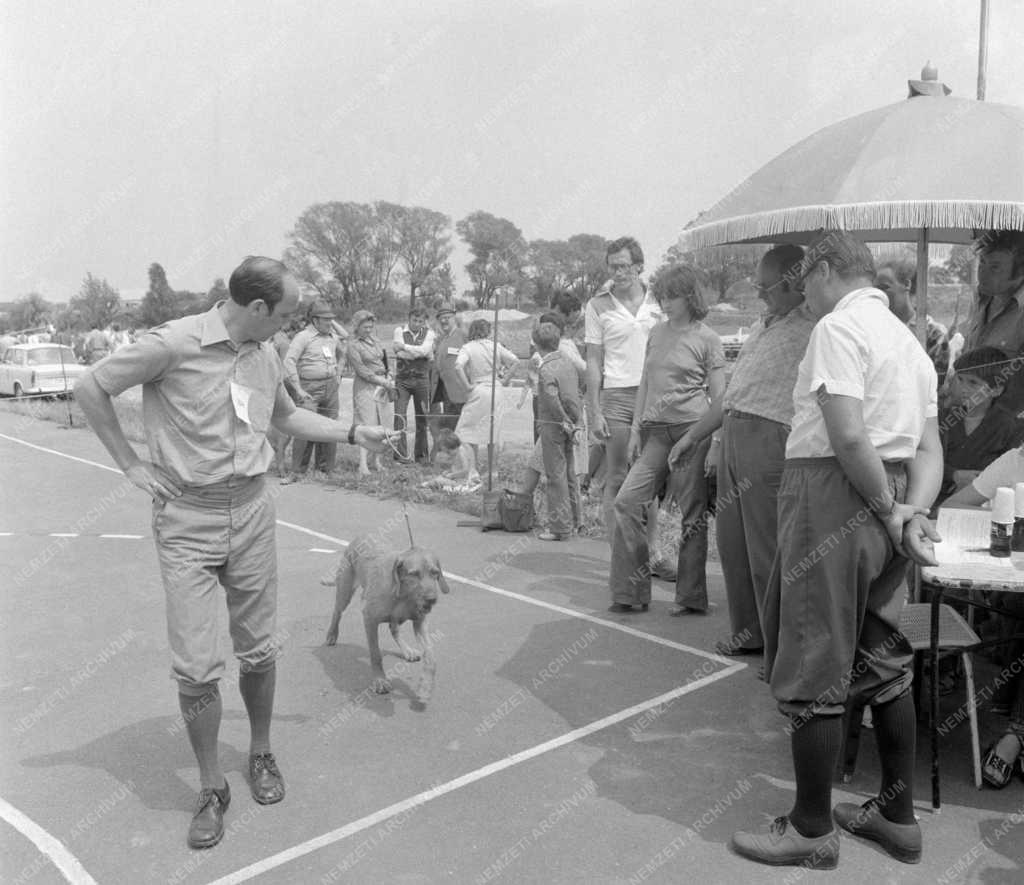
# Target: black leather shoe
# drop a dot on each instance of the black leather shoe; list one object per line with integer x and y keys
{"x": 621, "y": 608}
{"x": 207, "y": 827}
{"x": 265, "y": 780}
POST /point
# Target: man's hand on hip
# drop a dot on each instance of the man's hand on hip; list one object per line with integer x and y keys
{"x": 152, "y": 480}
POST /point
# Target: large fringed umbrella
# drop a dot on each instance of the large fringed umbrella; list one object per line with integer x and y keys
{"x": 932, "y": 168}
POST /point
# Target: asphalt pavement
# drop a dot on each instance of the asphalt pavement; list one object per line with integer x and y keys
{"x": 561, "y": 743}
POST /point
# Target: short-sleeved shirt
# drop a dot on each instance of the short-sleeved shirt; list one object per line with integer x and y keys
{"x": 476, "y": 359}
{"x": 676, "y": 368}
{"x": 558, "y": 395}
{"x": 1007, "y": 470}
{"x": 997, "y": 323}
{"x": 312, "y": 356}
{"x": 622, "y": 335}
{"x": 863, "y": 351}
{"x": 765, "y": 372}
{"x": 206, "y": 402}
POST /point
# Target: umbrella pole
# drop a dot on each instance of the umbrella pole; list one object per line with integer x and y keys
{"x": 494, "y": 378}
{"x": 922, "y": 288}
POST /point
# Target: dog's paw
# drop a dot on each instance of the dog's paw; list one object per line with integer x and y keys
{"x": 332, "y": 639}
{"x": 382, "y": 685}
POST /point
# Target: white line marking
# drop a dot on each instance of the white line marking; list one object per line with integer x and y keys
{"x": 61, "y": 454}
{"x": 311, "y": 845}
{"x": 63, "y": 534}
{"x": 6, "y": 534}
{"x": 583, "y": 616}
{"x": 129, "y": 537}
{"x": 50, "y": 846}
{"x": 321, "y": 550}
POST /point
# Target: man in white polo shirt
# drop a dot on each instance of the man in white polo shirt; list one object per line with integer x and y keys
{"x": 617, "y": 321}
{"x": 863, "y": 464}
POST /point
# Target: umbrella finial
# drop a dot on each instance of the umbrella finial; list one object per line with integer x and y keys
{"x": 928, "y": 84}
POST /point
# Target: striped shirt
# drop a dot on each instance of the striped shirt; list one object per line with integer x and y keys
{"x": 765, "y": 372}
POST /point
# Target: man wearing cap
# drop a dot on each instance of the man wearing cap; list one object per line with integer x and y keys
{"x": 211, "y": 387}
{"x": 414, "y": 350}
{"x": 863, "y": 465}
{"x": 311, "y": 366}
{"x": 447, "y": 393}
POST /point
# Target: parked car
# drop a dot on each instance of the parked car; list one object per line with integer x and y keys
{"x": 732, "y": 344}
{"x": 39, "y": 368}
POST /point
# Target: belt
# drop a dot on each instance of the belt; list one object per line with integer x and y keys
{"x": 750, "y": 416}
{"x": 322, "y": 378}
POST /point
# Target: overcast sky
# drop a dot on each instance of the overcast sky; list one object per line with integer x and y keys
{"x": 194, "y": 133}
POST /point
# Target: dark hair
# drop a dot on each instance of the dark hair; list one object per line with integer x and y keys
{"x": 636, "y": 254}
{"x": 565, "y": 303}
{"x": 258, "y": 279}
{"x": 1011, "y": 241}
{"x": 904, "y": 270}
{"x": 418, "y": 311}
{"x": 478, "y": 329}
{"x": 552, "y": 317}
{"x": 990, "y": 364}
{"x": 546, "y": 335}
{"x": 843, "y": 252}
{"x": 447, "y": 440}
{"x": 682, "y": 281}
{"x": 787, "y": 260}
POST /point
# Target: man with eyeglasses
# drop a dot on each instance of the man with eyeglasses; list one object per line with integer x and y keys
{"x": 617, "y": 321}
{"x": 749, "y": 450}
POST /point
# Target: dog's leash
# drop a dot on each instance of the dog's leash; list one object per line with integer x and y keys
{"x": 408, "y": 524}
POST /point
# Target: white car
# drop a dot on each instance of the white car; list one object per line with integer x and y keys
{"x": 49, "y": 369}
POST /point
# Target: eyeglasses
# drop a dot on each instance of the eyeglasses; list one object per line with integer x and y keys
{"x": 616, "y": 266}
{"x": 762, "y": 289}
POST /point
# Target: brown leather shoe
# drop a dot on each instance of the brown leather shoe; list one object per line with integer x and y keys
{"x": 265, "y": 780}
{"x": 782, "y": 845}
{"x": 207, "y": 825}
{"x": 901, "y": 841}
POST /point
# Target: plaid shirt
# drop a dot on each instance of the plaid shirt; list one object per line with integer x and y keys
{"x": 765, "y": 373}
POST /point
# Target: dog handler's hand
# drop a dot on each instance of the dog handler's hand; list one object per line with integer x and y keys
{"x": 152, "y": 480}
{"x": 374, "y": 439}
{"x": 919, "y": 537}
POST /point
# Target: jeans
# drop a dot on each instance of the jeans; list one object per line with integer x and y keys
{"x": 563, "y": 490}
{"x": 630, "y": 576}
{"x": 617, "y": 408}
{"x": 416, "y": 388}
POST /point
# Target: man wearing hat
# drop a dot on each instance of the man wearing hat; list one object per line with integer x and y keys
{"x": 311, "y": 367}
{"x": 447, "y": 393}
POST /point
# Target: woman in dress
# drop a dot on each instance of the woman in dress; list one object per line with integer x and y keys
{"x": 474, "y": 365}
{"x": 372, "y": 383}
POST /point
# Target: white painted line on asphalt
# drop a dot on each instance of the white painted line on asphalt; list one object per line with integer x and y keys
{"x": 129, "y": 537}
{"x": 562, "y": 610}
{"x": 357, "y": 826}
{"x": 15, "y": 439}
{"x": 321, "y": 550}
{"x": 63, "y": 534}
{"x": 51, "y": 847}
{"x": 6, "y": 534}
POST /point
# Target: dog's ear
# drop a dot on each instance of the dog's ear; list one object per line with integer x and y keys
{"x": 442, "y": 583}
{"x": 396, "y": 577}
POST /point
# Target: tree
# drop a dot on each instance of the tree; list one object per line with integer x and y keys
{"x": 96, "y": 304}
{"x": 29, "y": 312}
{"x": 218, "y": 292}
{"x": 499, "y": 253}
{"x": 723, "y": 265}
{"x": 957, "y": 268}
{"x": 353, "y": 244}
{"x": 439, "y": 285}
{"x": 424, "y": 244}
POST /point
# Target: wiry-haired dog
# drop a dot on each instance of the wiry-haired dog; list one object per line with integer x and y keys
{"x": 397, "y": 587}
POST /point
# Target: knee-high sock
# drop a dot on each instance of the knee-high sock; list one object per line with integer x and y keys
{"x": 202, "y": 722}
{"x": 895, "y": 728}
{"x": 257, "y": 690}
{"x": 816, "y": 743}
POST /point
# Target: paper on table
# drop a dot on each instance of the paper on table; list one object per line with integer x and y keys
{"x": 965, "y": 537}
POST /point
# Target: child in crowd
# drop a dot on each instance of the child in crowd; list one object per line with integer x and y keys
{"x": 455, "y": 475}
{"x": 558, "y": 414}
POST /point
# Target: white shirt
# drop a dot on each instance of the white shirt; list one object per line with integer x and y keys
{"x": 862, "y": 350}
{"x": 623, "y": 336}
{"x": 1007, "y": 470}
{"x": 426, "y": 349}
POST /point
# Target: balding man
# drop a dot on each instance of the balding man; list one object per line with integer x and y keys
{"x": 211, "y": 387}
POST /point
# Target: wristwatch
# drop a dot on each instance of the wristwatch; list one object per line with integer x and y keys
{"x": 352, "y": 435}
